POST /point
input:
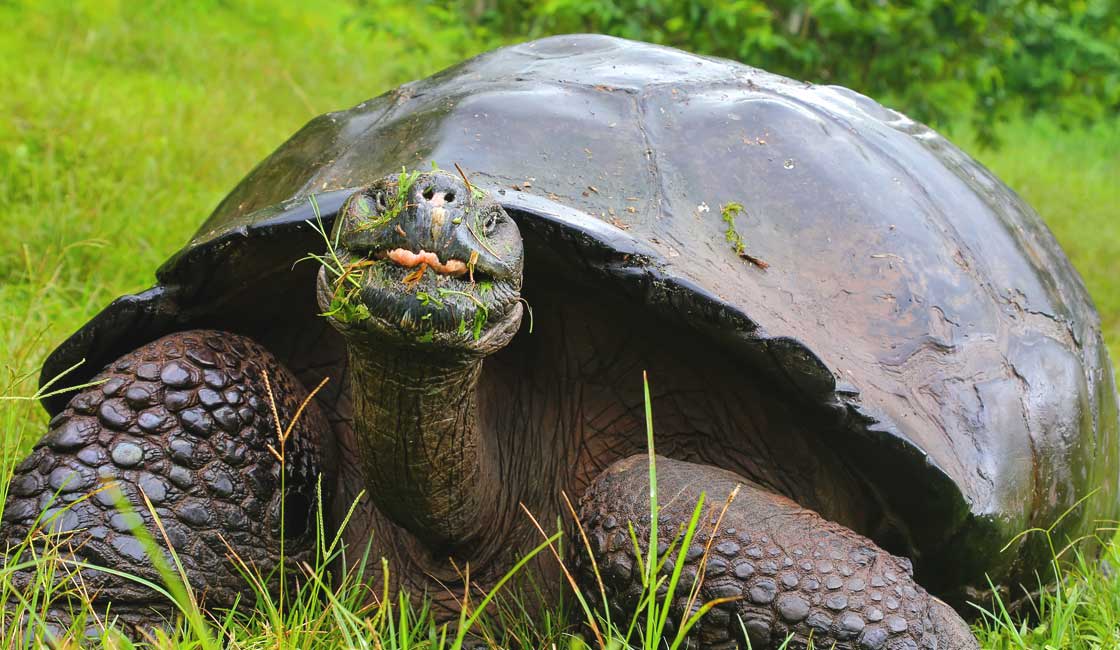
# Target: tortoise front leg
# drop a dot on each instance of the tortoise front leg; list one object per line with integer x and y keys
{"x": 790, "y": 571}
{"x": 187, "y": 421}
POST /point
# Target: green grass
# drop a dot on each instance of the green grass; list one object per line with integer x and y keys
{"x": 124, "y": 123}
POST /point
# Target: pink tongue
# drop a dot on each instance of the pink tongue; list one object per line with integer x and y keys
{"x": 408, "y": 259}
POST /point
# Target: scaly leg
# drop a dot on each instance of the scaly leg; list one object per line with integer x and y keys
{"x": 790, "y": 571}
{"x": 185, "y": 420}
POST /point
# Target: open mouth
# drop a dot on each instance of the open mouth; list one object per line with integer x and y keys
{"x": 416, "y": 293}
{"x": 430, "y": 274}
{"x": 424, "y": 260}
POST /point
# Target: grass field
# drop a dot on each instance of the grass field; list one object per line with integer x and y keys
{"x": 124, "y": 123}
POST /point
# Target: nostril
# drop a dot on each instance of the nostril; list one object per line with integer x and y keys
{"x": 449, "y": 197}
{"x": 429, "y": 193}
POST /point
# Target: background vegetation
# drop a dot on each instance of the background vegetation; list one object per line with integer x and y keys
{"x": 122, "y": 124}
{"x": 943, "y": 61}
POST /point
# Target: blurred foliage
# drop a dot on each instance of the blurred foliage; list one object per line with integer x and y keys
{"x": 937, "y": 60}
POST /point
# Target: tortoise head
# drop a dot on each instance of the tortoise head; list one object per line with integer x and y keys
{"x": 424, "y": 259}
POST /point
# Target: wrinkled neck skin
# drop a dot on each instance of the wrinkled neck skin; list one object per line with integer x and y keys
{"x": 426, "y": 463}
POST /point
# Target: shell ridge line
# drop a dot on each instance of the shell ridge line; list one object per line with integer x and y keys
{"x": 656, "y": 178}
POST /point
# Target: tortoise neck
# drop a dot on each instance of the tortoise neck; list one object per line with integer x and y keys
{"x": 418, "y": 437}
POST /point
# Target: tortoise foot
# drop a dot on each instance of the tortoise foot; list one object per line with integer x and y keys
{"x": 184, "y": 423}
{"x": 789, "y": 572}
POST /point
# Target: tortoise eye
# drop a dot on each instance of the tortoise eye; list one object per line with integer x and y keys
{"x": 490, "y": 223}
{"x": 380, "y": 201}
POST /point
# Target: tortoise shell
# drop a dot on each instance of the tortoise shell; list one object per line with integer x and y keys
{"x": 909, "y": 295}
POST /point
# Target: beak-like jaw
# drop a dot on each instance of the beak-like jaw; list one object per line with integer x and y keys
{"x": 426, "y": 260}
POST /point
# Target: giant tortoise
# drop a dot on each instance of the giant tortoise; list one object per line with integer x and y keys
{"x": 846, "y": 321}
